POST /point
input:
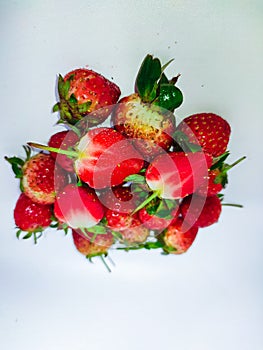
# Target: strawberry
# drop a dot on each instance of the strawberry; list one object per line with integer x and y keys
{"x": 90, "y": 247}
{"x": 212, "y": 187}
{"x": 217, "y": 176}
{"x": 107, "y": 158}
{"x": 177, "y": 240}
{"x": 39, "y": 176}
{"x": 85, "y": 93}
{"x": 63, "y": 140}
{"x": 199, "y": 212}
{"x": 119, "y": 199}
{"x": 30, "y": 216}
{"x": 78, "y": 207}
{"x": 158, "y": 214}
{"x": 146, "y": 115}
{"x": 135, "y": 233}
{"x": 208, "y": 130}
{"x": 176, "y": 174}
{"x": 103, "y": 158}
{"x": 42, "y": 178}
{"x": 119, "y": 202}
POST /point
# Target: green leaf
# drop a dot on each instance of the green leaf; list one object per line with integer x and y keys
{"x": 28, "y": 235}
{"x": 63, "y": 87}
{"x": 147, "y": 78}
{"x": 136, "y": 178}
{"x": 218, "y": 161}
{"x": 84, "y": 107}
{"x": 97, "y": 229}
{"x": 72, "y": 99}
{"x": 56, "y": 107}
{"x": 16, "y": 164}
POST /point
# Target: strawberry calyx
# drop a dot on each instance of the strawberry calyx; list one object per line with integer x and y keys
{"x": 70, "y": 110}
{"x": 18, "y": 163}
{"x": 154, "y": 87}
{"x": 36, "y": 234}
{"x": 223, "y": 168}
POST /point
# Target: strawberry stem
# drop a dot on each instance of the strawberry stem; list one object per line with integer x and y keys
{"x": 71, "y": 154}
{"x": 232, "y": 205}
{"x": 235, "y": 163}
{"x": 146, "y": 201}
{"x": 104, "y": 263}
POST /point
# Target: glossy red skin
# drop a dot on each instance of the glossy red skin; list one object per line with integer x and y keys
{"x": 78, "y": 207}
{"x": 63, "y": 140}
{"x": 119, "y": 199}
{"x": 211, "y": 188}
{"x": 106, "y": 158}
{"x": 90, "y": 86}
{"x": 208, "y": 130}
{"x": 129, "y": 117}
{"x": 87, "y": 247}
{"x": 178, "y": 238}
{"x": 30, "y": 216}
{"x": 42, "y": 178}
{"x": 210, "y": 210}
{"x": 176, "y": 174}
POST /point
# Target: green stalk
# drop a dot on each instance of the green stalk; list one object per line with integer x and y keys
{"x": 232, "y": 205}
{"x": 146, "y": 201}
{"x": 71, "y": 154}
{"x": 235, "y": 163}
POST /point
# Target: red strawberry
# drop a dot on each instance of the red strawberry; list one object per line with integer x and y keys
{"x": 78, "y": 207}
{"x": 200, "y": 212}
{"x": 208, "y": 130}
{"x": 103, "y": 158}
{"x": 177, "y": 240}
{"x": 135, "y": 233}
{"x": 106, "y": 158}
{"x": 117, "y": 220}
{"x": 85, "y": 93}
{"x": 211, "y": 187}
{"x": 217, "y": 177}
{"x": 30, "y": 216}
{"x": 157, "y": 215}
{"x": 119, "y": 199}
{"x": 148, "y": 126}
{"x": 176, "y": 175}
{"x": 41, "y": 178}
{"x": 145, "y": 116}
{"x": 63, "y": 140}
{"x": 91, "y": 248}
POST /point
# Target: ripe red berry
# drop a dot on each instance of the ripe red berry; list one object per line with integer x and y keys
{"x": 85, "y": 93}
{"x": 176, "y": 239}
{"x": 200, "y": 212}
{"x": 208, "y": 130}
{"x": 30, "y": 216}
{"x": 78, "y": 207}
{"x": 89, "y": 247}
{"x": 41, "y": 178}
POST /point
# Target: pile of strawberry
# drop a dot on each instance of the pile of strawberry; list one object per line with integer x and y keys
{"x": 142, "y": 183}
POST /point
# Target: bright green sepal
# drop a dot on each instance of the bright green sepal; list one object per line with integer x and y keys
{"x": 136, "y": 178}
{"x": 148, "y": 77}
{"x": 63, "y": 87}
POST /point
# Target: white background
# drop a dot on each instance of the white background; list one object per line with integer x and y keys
{"x": 211, "y": 297}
